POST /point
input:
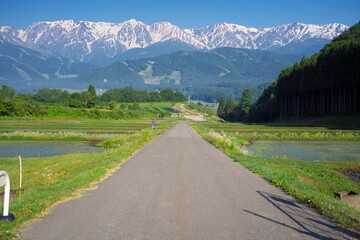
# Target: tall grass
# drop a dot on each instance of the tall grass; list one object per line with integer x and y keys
{"x": 328, "y": 136}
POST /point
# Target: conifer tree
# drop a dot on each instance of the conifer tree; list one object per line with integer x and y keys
{"x": 230, "y": 109}
{"x": 221, "y": 107}
{"x": 92, "y": 96}
{"x": 246, "y": 101}
{"x": 92, "y": 91}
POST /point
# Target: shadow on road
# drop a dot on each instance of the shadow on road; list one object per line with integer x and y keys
{"x": 305, "y": 221}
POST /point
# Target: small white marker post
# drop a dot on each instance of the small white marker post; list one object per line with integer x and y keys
{"x": 5, "y": 181}
{"x": 20, "y": 185}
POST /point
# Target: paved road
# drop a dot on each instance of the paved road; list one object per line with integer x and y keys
{"x": 181, "y": 187}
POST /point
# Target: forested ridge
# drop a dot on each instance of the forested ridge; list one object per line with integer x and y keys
{"x": 326, "y": 83}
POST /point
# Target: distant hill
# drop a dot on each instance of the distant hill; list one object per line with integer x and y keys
{"x": 304, "y": 48}
{"x": 153, "y": 50}
{"x": 204, "y": 75}
{"x": 328, "y": 83}
{"x": 26, "y": 69}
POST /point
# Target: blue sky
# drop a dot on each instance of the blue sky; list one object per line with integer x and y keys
{"x": 184, "y": 13}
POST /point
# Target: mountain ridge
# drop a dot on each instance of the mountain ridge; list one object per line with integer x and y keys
{"x": 204, "y": 74}
{"x": 84, "y": 40}
{"x": 26, "y": 69}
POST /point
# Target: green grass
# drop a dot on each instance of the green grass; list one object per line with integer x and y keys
{"x": 56, "y": 112}
{"x": 39, "y": 136}
{"x": 50, "y": 180}
{"x": 271, "y": 132}
{"x": 155, "y": 104}
{"x": 147, "y": 105}
{"x": 73, "y": 127}
{"x": 313, "y": 183}
{"x": 339, "y": 121}
{"x": 309, "y": 135}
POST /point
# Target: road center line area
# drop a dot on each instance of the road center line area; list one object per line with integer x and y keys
{"x": 181, "y": 187}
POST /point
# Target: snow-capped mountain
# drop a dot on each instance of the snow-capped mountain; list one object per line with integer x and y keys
{"x": 86, "y": 41}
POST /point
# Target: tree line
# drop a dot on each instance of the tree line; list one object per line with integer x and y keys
{"x": 325, "y": 84}
{"x": 232, "y": 111}
{"x": 12, "y": 104}
{"x": 128, "y": 94}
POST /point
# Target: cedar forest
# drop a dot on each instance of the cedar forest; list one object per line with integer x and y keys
{"x": 328, "y": 83}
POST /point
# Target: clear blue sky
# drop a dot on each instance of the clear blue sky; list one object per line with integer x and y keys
{"x": 184, "y": 13}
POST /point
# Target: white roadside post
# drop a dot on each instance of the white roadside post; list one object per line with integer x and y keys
{"x": 5, "y": 181}
{"x": 20, "y": 184}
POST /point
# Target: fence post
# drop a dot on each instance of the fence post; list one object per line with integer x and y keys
{"x": 20, "y": 184}
{"x": 5, "y": 181}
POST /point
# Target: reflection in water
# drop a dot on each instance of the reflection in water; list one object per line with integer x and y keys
{"x": 11, "y": 149}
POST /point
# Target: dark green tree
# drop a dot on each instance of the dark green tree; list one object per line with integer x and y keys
{"x": 86, "y": 97}
{"x": 6, "y": 107}
{"x": 221, "y": 107}
{"x": 230, "y": 109}
{"x": 143, "y": 96}
{"x": 179, "y": 97}
{"x": 155, "y": 97}
{"x": 51, "y": 95}
{"x": 167, "y": 94}
{"x": 242, "y": 110}
{"x": 128, "y": 94}
{"x": 266, "y": 108}
{"x": 7, "y": 92}
{"x": 76, "y": 100}
{"x": 92, "y": 90}
{"x": 91, "y": 102}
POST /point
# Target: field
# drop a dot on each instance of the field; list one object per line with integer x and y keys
{"x": 312, "y": 182}
{"x": 47, "y": 180}
{"x": 48, "y": 148}
{"x": 274, "y": 132}
{"x": 152, "y": 106}
{"x": 74, "y": 127}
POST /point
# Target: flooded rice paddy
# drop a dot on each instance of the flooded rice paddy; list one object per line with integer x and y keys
{"x": 307, "y": 151}
{"x": 33, "y": 149}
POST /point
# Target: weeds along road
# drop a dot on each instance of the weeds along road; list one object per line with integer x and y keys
{"x": 181, "y": 187}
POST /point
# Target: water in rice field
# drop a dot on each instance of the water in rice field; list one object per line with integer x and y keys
{"x": 30, "y": 149}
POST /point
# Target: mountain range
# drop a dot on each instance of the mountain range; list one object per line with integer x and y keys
{"x": 205, "y": 62}
{"x": 26, "y": 69}
{"x": 205, "y": 74}
{"x": 102, "y": 43}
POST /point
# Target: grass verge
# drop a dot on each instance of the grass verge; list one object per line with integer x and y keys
{"x": 37, "y": 136}
{"x": 47, "y": 181}
{"x": 283, "y": 133}
{"x": 312, "y": 183}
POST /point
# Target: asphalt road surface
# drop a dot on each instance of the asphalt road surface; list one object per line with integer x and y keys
{"x": 180, "y": 187}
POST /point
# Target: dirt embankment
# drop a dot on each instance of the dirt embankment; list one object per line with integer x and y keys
{"x": 188, "y": 114}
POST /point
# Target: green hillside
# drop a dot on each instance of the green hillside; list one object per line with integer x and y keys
{"x": 26, "y": 69}
{"x": 203, "y": 75}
